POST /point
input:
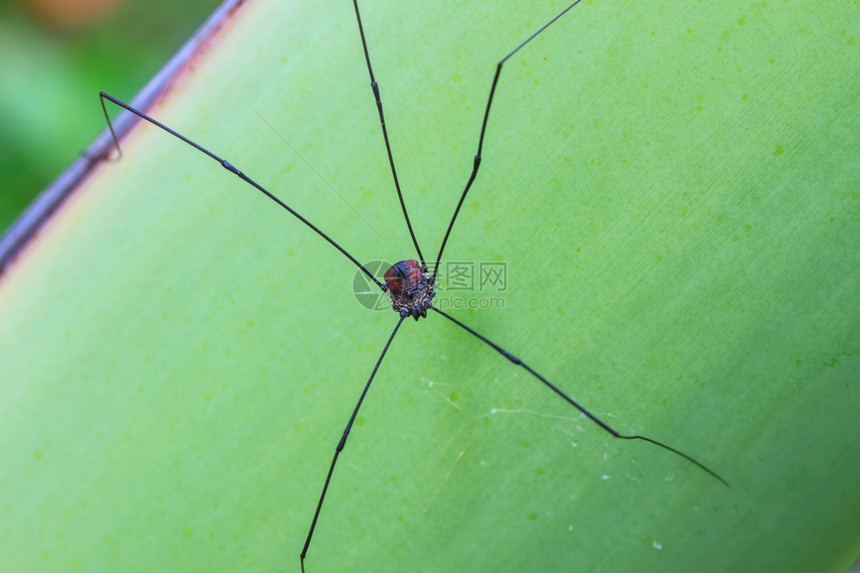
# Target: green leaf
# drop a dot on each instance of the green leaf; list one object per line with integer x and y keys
{"x": 674, "y": 193}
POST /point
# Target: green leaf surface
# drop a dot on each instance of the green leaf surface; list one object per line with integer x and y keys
{"x": 674, "y": 191}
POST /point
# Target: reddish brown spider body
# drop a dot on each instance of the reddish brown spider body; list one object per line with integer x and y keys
{"x": 410, "y": 287}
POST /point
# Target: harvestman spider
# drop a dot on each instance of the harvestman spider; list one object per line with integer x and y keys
{"x": 408, "y": 283}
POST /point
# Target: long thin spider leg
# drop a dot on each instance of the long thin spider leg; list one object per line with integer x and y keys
{"x": 342, "y": 443}
{"x": 476, "y": 164}
{"x": 375, "y": 87}
{"x": 229, "y": 167}
{"x": 573, "y": 402}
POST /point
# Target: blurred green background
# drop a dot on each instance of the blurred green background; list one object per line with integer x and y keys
{"x": 55, "y": 56}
